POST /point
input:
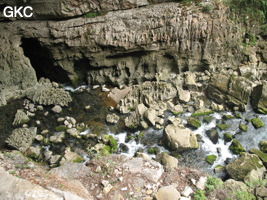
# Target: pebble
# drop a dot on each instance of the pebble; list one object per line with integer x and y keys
{"x": 38, "y": 122}
{"x": 46, "y": 113}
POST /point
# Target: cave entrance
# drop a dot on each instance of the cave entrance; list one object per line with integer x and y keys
{"x": 42, "y": 61}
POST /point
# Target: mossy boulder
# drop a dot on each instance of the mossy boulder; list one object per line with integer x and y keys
{"x": 238, "y": 115}
{"x": 61, "y": 128}
{"x": 257, "y": 123}
{"x": 243, "y": 127}
{"x": 211, "y": 159}
{"x": 202, "y": 112}
{"x": 227, "y": 117}
{"x": 111, "y": 142}
{"x": 222, "y": 126}
{"x": 207, "y": 119}
{"x": 260, "y": 154}
{"x": 219, "y": 169}
{"x": 193, "y": 122}
{"x": 227, "y": 137}
{"x": 240, "y": 167}
{"x": 263, "y": 146}
{"x": 236, "y": 147}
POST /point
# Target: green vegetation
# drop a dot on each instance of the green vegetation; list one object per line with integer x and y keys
{"x": 222, "y": 126}
{"x": 213, "y": 183}
{"x": 238, "y": 115}
{"x": 140, "y": 135}
{"x": 257, "y": 123}
{"x": 79, "y": 159}
{"x": 61, "y": 128}
{"x": 227, "y": 137}
{"x": 244, "y": 195}
{"x": 263, "y": 146}
{"x": 194, "y": 122}
{"x": 151, "y": 150}
{"x": 228, "y": 117}
{"x": 243, "y": 127}
{"x": 236, "y": 147}
{"x": 207, "y": 119}
{"x": 199, "y": 195}
{"x": 94, "y": 14}
{"x": 211, "y": 159}
{"x": 202, "y": 113}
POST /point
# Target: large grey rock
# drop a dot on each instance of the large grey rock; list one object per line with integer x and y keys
{"x": 259, "y": 98}
{"x": 20, "y": 118}
{"x": 16, "y": 189}
{"x": 168, "y": 161}
{"x": 178, "y": 138}
{"x": 133, "y": 121}
{"x": 21, "y": 138}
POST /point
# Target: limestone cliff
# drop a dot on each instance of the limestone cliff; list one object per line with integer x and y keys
{"x": 118, "y": 47}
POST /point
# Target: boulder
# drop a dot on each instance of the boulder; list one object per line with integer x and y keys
{"x": 240, "y": 167}
{"x": 57, "y": 109}
{"x": 20, "y": 118}
{"x": 263, "y": 146}
{"x": 71, "y": 157}
{"x": 112, "y": 118}
{"x": 150, "y": 115}
{"x": 260, "y": 154}
{"x": 193, "y": 122}
{"x": 213, "y": 135}
{"x": 21, "y": 138}
{"x": 183, "y": 95}
{"x": 133, "y": 121}
{"x": 177, "y": 138}
{"x": 73, "y": 132}
{"x": 190, "y": 80}
{"x": 259, "y": 98}
{"x": 167, "y": 193}
{"x": 236, "y": 147}
{"x": 177, "y": 109}
{"x": 168, "y": 161}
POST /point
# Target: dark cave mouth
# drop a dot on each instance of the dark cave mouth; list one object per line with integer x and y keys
{"x": 42, "y": 61}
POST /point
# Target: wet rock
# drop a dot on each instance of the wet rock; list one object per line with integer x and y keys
{"x": 260, "y": 154}
{"x": 259, "y": 98}
{"x": 219, "y": 169}
{"x": 167, "y": 193}
{"x": 57, "y": 109}
{"x": 227, "y": 137}
{"x": 216, "y": 107}
{"x": 213, "y": 135}
{"x": 263, "y": 146}
{"x": 202, "y": 112}
{"x": 21, "y": 138}
{"x": 236, "y": 147}
{"x": 211, "y": 159}
{"x": 243, "y": 127}
{"x": 193, "y": 122}
{"x": 176, "y": 121}
{"x": 20, "y": 118}
{"x": 177, "y": 138}
{"x": 112, "y": 118}
{"x": 257, "y": 123}
{"x": 240, "y": 167}
{"x": 57, "y": 137}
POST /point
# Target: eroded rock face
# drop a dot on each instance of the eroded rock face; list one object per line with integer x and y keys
{"x": 259, "y": 98}
{"x": 124, "y": 47}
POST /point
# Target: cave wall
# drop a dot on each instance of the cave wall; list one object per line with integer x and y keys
{"x": 121, "y": 47}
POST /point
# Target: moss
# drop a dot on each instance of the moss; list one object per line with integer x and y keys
{"x": 104, "y": 151}
{"x": 260, "y": 154}
{"x": 211, "y": 159}
{"x": 222, "y": 126}
{"x": 227, "y": 117}
{"x": 207, "y": 119}
{"x": 236, "y": 147}
{"x": 257, "y": 123}
{"x": 94, "y": 14}
{"x": 219, "y": 168}
{"x": 227, "y": 137}
{"x": 263, "y": 146}
{"x": 151, "y": 150}
{"x": 61, "y": 128}
{"x": 194, "y": 122}
{"x": 213, "y": 183}
{"x": 238, "y": 115}
{"x": 176, "y": 113}
{"x": 202, "y": 112}
{"x": 243, "y": 127}
{"x": 111, "y": 142}
{"x": 140, "y": 135}
{"x": 79, "y": 159}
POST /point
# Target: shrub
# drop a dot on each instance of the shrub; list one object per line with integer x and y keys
{"x": 213, "y": 183}
{"x": 199, "y": 195}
